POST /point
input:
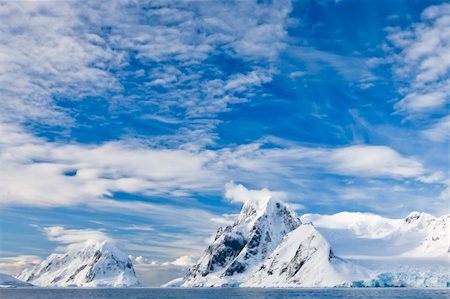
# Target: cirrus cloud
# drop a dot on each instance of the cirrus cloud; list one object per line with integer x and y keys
{"x": 57, "y": 53}
{"x": 424, "y": 61}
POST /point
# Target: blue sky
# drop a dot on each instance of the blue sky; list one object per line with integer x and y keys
{"x": 132, "y": 119}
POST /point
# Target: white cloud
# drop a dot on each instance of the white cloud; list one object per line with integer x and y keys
{"x": 163, "y": 119}
{"x": 423, "y": 62}
{"x": 225, "y": 219}
{"x": 153, "y": 273}
{"x": 297, "y": 206}
{"x": 238, "y": 193}
{"x": 434, "y": 177}
{"x": 37, "y": 60}
{"x": 140, "y": 260}
{"x": 242, "y": 82}
{"x": 357, "y": 160}
{"x": 373, "y": 161}
{"x": 297, "y": 74}
{"x": 184, "y": 261}
{"x": 73, "y": 238}
{"x": 364, "y": 225}
{"x": 351, "y": 68}
{"x": 59, "y": 174}
{"x": 16, "y": 264}
{"x": 97, "y": 171}
{"x": 445, "y": 194}
{"x": 417, "y": 102}
{"x": 170, "y": 39}
{"x": 36, "y": 66}
{"x": 138, "y": 228}
{"x": 439, "y": 131}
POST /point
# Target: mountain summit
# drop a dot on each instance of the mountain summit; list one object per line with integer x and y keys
{"x": 240, "y": 248}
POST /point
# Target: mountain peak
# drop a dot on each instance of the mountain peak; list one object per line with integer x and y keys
{"x": 256, "y": 207}
{"x": 7, "y": 280}
{"x": 418, "y": 216}
{"x": 96, "y": 263}
{"x": 244, "y": 245}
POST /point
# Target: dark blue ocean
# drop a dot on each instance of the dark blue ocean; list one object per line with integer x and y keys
{"x": 144, "y": 293}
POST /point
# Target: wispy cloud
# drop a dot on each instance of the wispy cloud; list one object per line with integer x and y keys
{"x": 76, "y": 173}
{"x": 225, "y": 219}
{"x": 36, "y": 67}
{"x": 373, "y": 161}
{"x": 58, "y": 174}
{"x": 351, "y": 68}
{"x": 422, "y": 67}
{"x": 439, "y": 131}
{"x": 16, "y": 264}
{"x": 138, "y": 228}
{"x": 168, "y": 42}
{"x": 73, "y": 238}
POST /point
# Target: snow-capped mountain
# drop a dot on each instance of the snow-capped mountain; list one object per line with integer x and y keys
{"x": 435, "y": 233}
{"x": 240, "y": 248}
{"x": 7, "y": 280}
{"x": 97, "y": 264}
{"x": 269, "y": 246}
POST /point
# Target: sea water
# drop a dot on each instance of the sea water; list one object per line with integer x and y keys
{"x": 221, "y": 293}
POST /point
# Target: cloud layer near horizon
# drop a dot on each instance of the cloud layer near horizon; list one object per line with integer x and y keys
{"x": 71, "y": 174}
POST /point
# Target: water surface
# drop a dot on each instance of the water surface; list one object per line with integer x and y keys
{"x": 221, "y": 293}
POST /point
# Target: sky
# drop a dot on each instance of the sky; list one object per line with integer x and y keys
{"x": 150, "y": 122}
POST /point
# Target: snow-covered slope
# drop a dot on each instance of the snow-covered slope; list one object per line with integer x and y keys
{"x": 418, "y": 235}
{"x": 409, "y": 252}
{"x": 7, "y": 280}
{"x": 365, "y": 225}
{"x": 97, "y": 264}
{"x": 239, "y": 249}
{"x": 304, "y": 259}
{"x": 435, "y": 233}
{"x": 174, "y": 283}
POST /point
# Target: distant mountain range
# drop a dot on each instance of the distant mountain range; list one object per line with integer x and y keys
{"x": 7, "y": 281}
{"x": 268, "y": 245}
